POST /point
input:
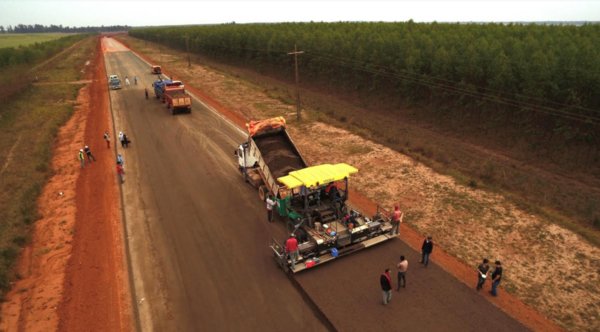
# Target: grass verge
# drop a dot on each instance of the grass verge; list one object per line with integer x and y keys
{"x": 29, "y": 123}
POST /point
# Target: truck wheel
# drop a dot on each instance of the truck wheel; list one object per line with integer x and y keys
{"x": 263, "y": 192}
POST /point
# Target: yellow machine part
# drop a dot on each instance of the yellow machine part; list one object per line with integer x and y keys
{"x": 317, "y": 175}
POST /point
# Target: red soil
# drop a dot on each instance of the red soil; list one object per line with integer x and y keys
{"x": 96, "y": 293}
{"x": 31, "y": 304}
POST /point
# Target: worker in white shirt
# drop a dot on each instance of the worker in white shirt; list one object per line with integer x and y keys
{"x": 270, "y": 204}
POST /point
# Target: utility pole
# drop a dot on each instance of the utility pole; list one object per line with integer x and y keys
{"x": 295, "y": 53}
{"x": 187, "y": 47}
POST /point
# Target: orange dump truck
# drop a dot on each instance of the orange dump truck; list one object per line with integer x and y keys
{"x": 177, "y": 99}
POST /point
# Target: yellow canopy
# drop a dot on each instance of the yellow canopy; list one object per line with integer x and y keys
{"x": 321, "y": 174}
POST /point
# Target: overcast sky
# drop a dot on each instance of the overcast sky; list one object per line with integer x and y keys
{"x": 165, "y": 12}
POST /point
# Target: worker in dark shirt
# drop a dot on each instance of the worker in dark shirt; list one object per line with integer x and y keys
{"x": 426, "y": 250}
{"x": 386, "y": 286}
{"x": 496, "y": 278}
{"x": 332, "y": 191}
{"x": 482, "y": 271}
{"x": 349, "y": 219}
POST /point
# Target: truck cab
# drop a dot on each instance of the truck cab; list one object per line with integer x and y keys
{"x": 115, "y": 82}
{"x": 156, "y": 70}
{"x": 245, "y": 159}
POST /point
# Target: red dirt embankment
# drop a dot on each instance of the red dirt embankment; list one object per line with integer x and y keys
{"x": 32, "y": 302}
{"x": 96, "y": 293}
{"x": 74, "y": 272}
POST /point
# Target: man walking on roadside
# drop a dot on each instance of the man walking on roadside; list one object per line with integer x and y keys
{"x": 127, "y": 81}
{"x": 482, "y": 271}
{"x": 386, "y": 286}
{"x": 107, "y": 138}
{"x": 81, "y": 158}
{"x": 426, "y": 250}
{"x": 496, "y": 278}
{"x": 120, "y": 161}
{"x": 120, "y": 171}
{"x": 89, "y": 154}
{"x": 402, "y": 267}
{"x": 121, "y": 139}
{"x": 396, "y": 220}
{"x": 135, "y": 80}
{"x": 270, "y": 204}
{"x": 146, "y": 91}
{"x": 291, "y": 250}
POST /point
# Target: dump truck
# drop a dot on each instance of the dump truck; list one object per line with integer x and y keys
{"x": 156, "y": 70}
{"x": 324, "y": 224}
{"x": 173, "y": 94}
{"x": 177, "y": 100}
{"x": 268, "y": 154}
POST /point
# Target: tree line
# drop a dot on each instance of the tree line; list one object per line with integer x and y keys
{"x": 38, "y": 28}
{"x": 540, "y": 80}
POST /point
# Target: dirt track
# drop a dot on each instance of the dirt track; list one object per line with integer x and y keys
{"x": 96, "y": 293}
{"x": 198, "y": 238}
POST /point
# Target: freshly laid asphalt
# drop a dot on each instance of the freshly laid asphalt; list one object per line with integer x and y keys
{"x": 198, "y": 239}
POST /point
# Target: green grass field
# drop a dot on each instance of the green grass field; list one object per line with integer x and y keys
{"x": 24, "y": 39}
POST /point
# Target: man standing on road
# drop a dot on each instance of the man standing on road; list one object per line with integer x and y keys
{"x": 396, "y": 220}
{"x": 426, "y": 250}
{"x": 127, "y": 81}
{"x": 89, "y": 154}
{"x": 386, "y": 286}
{"x": 146, "y": 91}
{"x": 120, "y": 161}
{"x": 81, "y": 158}
{"x": 291, "y": 250}
{"x": 482, "y": 271}
{"x": 121, "y": 139}
{"x": 120, "y": 171}
{"x": 402, "y": 267}
{"x": 135, "y": 80}
{"x": 270, "y": 204}
{"x": 496, "y": 278}
{"x": 107, "y": 138}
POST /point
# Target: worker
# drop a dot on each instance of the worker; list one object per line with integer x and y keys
{"x": 270, "y": 204}
{"x": 396, "y": 220}
{"x": 126, "y": 141}
{"x": 81, "y": 158}
{"x": 351, "y": 220}
{"x": 89, "y": 154}
{"x": 120, "y": 162}
{"x": 135, "y": 80}
{"x": 120, "y": 171}
{"x": 146, "y": 91}
{"x": 332, "y": 191}
{"x": 107, "y": 138}
{"x": 291, "y": 250}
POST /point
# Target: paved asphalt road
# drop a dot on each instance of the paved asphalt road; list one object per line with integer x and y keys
{"x": 198, "y": 238}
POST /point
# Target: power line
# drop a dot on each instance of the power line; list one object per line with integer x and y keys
{"x": 571, "y": 116}
{"x": 478, "y": 87}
